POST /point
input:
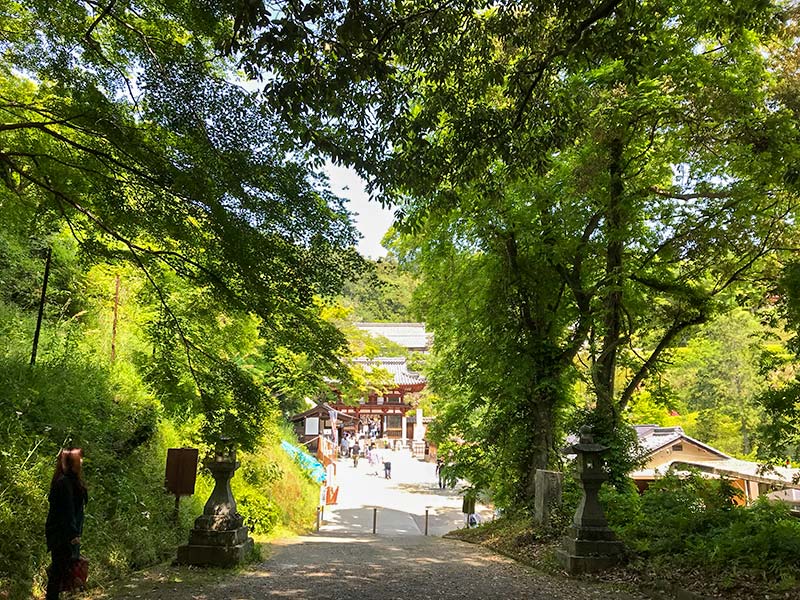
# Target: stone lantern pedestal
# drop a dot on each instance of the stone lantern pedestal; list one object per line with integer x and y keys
{"x": 219, "y": 537}
{"x": 589, "y": 544}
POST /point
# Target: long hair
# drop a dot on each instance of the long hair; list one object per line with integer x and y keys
{"x": 70, "y": 462}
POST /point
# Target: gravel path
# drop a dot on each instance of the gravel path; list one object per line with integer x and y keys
{"x": 349, "y": 567}
{"x": 346, "y": 561}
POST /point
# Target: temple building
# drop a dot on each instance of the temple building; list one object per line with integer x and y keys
{"x": 385, "y": 412}
{"x": 411, "y": 336}
{"x": 671, "y": 449}
{"x": 379, "y": 414}
{"x": 387, "y": 409}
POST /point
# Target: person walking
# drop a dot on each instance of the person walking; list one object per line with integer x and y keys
{"x": 354, "y": 452}
{"x": 64, "y": 525}
{"x": 387, "y": 464}
{"x": 374, "y": 459}
{"x": 439, "y": 474}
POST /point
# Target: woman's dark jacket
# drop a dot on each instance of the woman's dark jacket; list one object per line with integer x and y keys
{"x": 65, "y": 517}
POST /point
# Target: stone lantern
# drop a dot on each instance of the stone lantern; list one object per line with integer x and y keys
{"x": 589, "y": 544}
{"x": 219, "y": 536}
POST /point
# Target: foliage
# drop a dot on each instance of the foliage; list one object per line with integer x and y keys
{"x": 271, "y": 489}
{"x": 113, "y": 417}
{"x": 126, "y": 127}
{"x": 381, "y": 294}
{"x": 685, "y": 531}
{"x": 712, "y": 384}
{"x": 569, "y": 176}
{"x": 780, "y": 432}
{"x": 691, "y": 523}
{"x": 111, "y": 414}
{"x": 124, "y": 412}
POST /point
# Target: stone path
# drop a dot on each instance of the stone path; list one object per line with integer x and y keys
{"x": 401, "y": 500}
{"x": 345, "y": 561}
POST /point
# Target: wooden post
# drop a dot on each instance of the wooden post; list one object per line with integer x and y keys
{"x": 374, "y": 519}
{"x": 114, "y": 325}
{"x": 177, "y": 513}
{"x": 426, "y": 521}
{"x": 41, "y": 307}
{"x": 319, "y": 518}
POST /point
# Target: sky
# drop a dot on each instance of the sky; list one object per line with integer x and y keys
{"x": 372, "y": 220}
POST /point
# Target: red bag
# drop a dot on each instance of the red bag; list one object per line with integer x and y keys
{"x": 75, "y": 578}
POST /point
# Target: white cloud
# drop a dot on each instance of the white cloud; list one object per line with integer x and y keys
{"x": 372, "y": 220}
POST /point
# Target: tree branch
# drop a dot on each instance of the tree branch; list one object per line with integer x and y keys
{"x": 663, "y": 344}
{"x": 96, "y": 22}
{"x": 603, "y": 10}
{"x": 694, "y": 196}
{"x": 32, "y": 124}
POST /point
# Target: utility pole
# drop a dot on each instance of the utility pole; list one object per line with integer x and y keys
{"x": 41, "y": 307}
{"x": 114, "y": 325}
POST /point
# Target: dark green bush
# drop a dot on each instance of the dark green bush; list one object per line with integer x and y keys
{"x": 129, "y": 520}
{"x": 692, "y": 523}
{"x": 762, "y": 537}
{"x": 674, "y": 511}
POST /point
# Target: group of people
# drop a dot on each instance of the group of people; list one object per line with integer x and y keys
{"x": 354, "y": 447}
{"x": 348, "y": 444}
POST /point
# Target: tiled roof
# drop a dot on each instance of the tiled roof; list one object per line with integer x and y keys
{"x": 730, "y": 467}
{"x": 653, "y": 437}
{"x": 394, "y": 365}
{"x": 745, "y": 467}
{"x": 408, "y": 335}
{"x": 322, "y": 409}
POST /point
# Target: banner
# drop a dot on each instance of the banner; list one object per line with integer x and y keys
{"x": 334, "y": 429}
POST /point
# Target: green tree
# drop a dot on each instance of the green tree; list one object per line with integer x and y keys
{"x": 125, "y": 124}
{"x": 713, "y": 381}
{"x": 382, "y": 293}
{"x": 584, "y": 173}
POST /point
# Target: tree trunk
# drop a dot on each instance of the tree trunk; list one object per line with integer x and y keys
{"x": 541, "y": 440}
{"x": 604, "y": 371}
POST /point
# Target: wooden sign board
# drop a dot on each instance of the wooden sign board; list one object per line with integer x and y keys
{"x": 312, "y": 425}
{"x": 181, "y": 471}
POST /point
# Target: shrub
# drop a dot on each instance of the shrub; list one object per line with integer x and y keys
{"x": 129, "y": 519}
{"x": 674, "y": 510}
{"x": 692, "y": 524}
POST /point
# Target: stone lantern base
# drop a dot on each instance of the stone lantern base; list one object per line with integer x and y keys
{"x": 219, "y": 537}
{"x": 216, "y": 548}
{"x": 589, "y": 549}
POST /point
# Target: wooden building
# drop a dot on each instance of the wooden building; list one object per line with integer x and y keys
{"x": 317, "y": 422}
{"x": 670, "y": 449}
{"x": 386, "y": 410}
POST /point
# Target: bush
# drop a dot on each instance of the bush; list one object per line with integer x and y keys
{"x": 762, "y": 537}
{"x": 621, "y": 505}
{"x": 693, "y": 524}
{"x": 272, "y": 489}
{"x": 675, "y": 511}
{"x": 129, "y": 519}
{"x": 259, "y": 512}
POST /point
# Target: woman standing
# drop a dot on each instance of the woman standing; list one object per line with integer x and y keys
{"x": 64, "y": 525}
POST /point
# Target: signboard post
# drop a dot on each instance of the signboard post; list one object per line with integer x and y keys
{"x": 181, "y": 473}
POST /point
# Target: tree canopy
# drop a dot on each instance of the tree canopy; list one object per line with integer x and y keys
{"x": 125, "y": 124}
{"x": 578, "y": 180}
